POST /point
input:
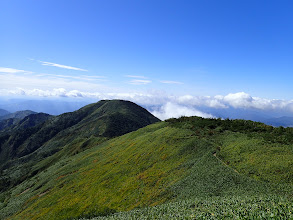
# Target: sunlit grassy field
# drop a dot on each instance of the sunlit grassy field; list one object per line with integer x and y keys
{"x": 187, "y": 168}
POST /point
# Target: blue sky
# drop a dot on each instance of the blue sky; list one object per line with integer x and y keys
{"x": 163, "y": 48}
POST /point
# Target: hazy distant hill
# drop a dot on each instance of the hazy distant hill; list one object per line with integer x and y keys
{"x": 52, "y": 107}
{"x": 268, "y": 117}
{"x": 10, "y": 120}
{"x": 17, "y": 115}
{"x": 281, "y": 121}
{"x": 3, "y": 112}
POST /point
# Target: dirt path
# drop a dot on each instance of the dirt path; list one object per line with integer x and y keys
{"x": 215, "y": 155}
{"x": 25, "y": 191}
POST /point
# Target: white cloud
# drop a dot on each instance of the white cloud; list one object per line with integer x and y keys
{"x": 172, "y": 110}
{"x": 74, "y": 93}
{"x": 60, "y": 92}
{"x": 240, "y": 99}
{"x": 161, "y": 104}
{"x": 70, "y": 88}
{"x": 61, "y": 66}
{"x": 139, "y": 82}
{"x": 47, "y": 82}
{"x": 11, "y": 70}
{"x": 170, "y": 82}
{"x": 201, "y": 101}
{"x": 246, "y": 101}
{"x": 167, "y": 110}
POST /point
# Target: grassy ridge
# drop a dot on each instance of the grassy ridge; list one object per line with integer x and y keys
{"x": 108, "y": 176}
{"x": 257, "y": 158}
{"x": 257, "y": 150}
{"x": 187, "y": 167}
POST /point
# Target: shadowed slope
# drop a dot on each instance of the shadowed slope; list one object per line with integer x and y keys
{"x": 26, "y": 122}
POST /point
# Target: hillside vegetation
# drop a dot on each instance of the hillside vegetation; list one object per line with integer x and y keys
{"x": 186, "y": 168}
{"x": 27, "y": 150}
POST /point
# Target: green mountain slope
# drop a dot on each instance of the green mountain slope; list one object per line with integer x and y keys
{"x": 65, "y": 135}
{"x": 182, "y": 165}
{"x": 26, "y": 122}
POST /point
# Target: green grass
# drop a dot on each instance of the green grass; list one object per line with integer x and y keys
{"x": 189, "y": 168}
{"x": 254, "y": 149}
{"x": 121, "y": 174}
{"x": 257, "y": 158}
{"x": 228, "y": 207}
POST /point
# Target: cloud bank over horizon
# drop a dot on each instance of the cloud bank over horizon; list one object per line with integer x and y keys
{"x": 18, "y": 83}
{"x": 166, "y": 106}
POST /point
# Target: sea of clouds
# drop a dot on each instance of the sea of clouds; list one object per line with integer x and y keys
{"x": 166, "y": 106}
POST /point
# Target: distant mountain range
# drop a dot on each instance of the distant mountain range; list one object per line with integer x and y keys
{"x": 280, "y": 121}
{"x": 3, "y": 112}
{"x": 268, "y": 117}
{"x": 52, "y": 107}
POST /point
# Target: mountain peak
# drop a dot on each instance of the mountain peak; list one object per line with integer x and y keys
{"x": 115, "y": 117}
{"x": 29, "y": 143}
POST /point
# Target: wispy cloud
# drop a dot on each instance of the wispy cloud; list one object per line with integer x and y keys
{"x": 139, "y": 82}
{"x": 81, "y": 77}
{"x": 61, "y": 66}
{"x": 12, "y": 77}
{"x": 12, "y": 70}
{"x": 138, "y": 77}
{"x": 11, "y": 81}
{"x": 171, "y": 82}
